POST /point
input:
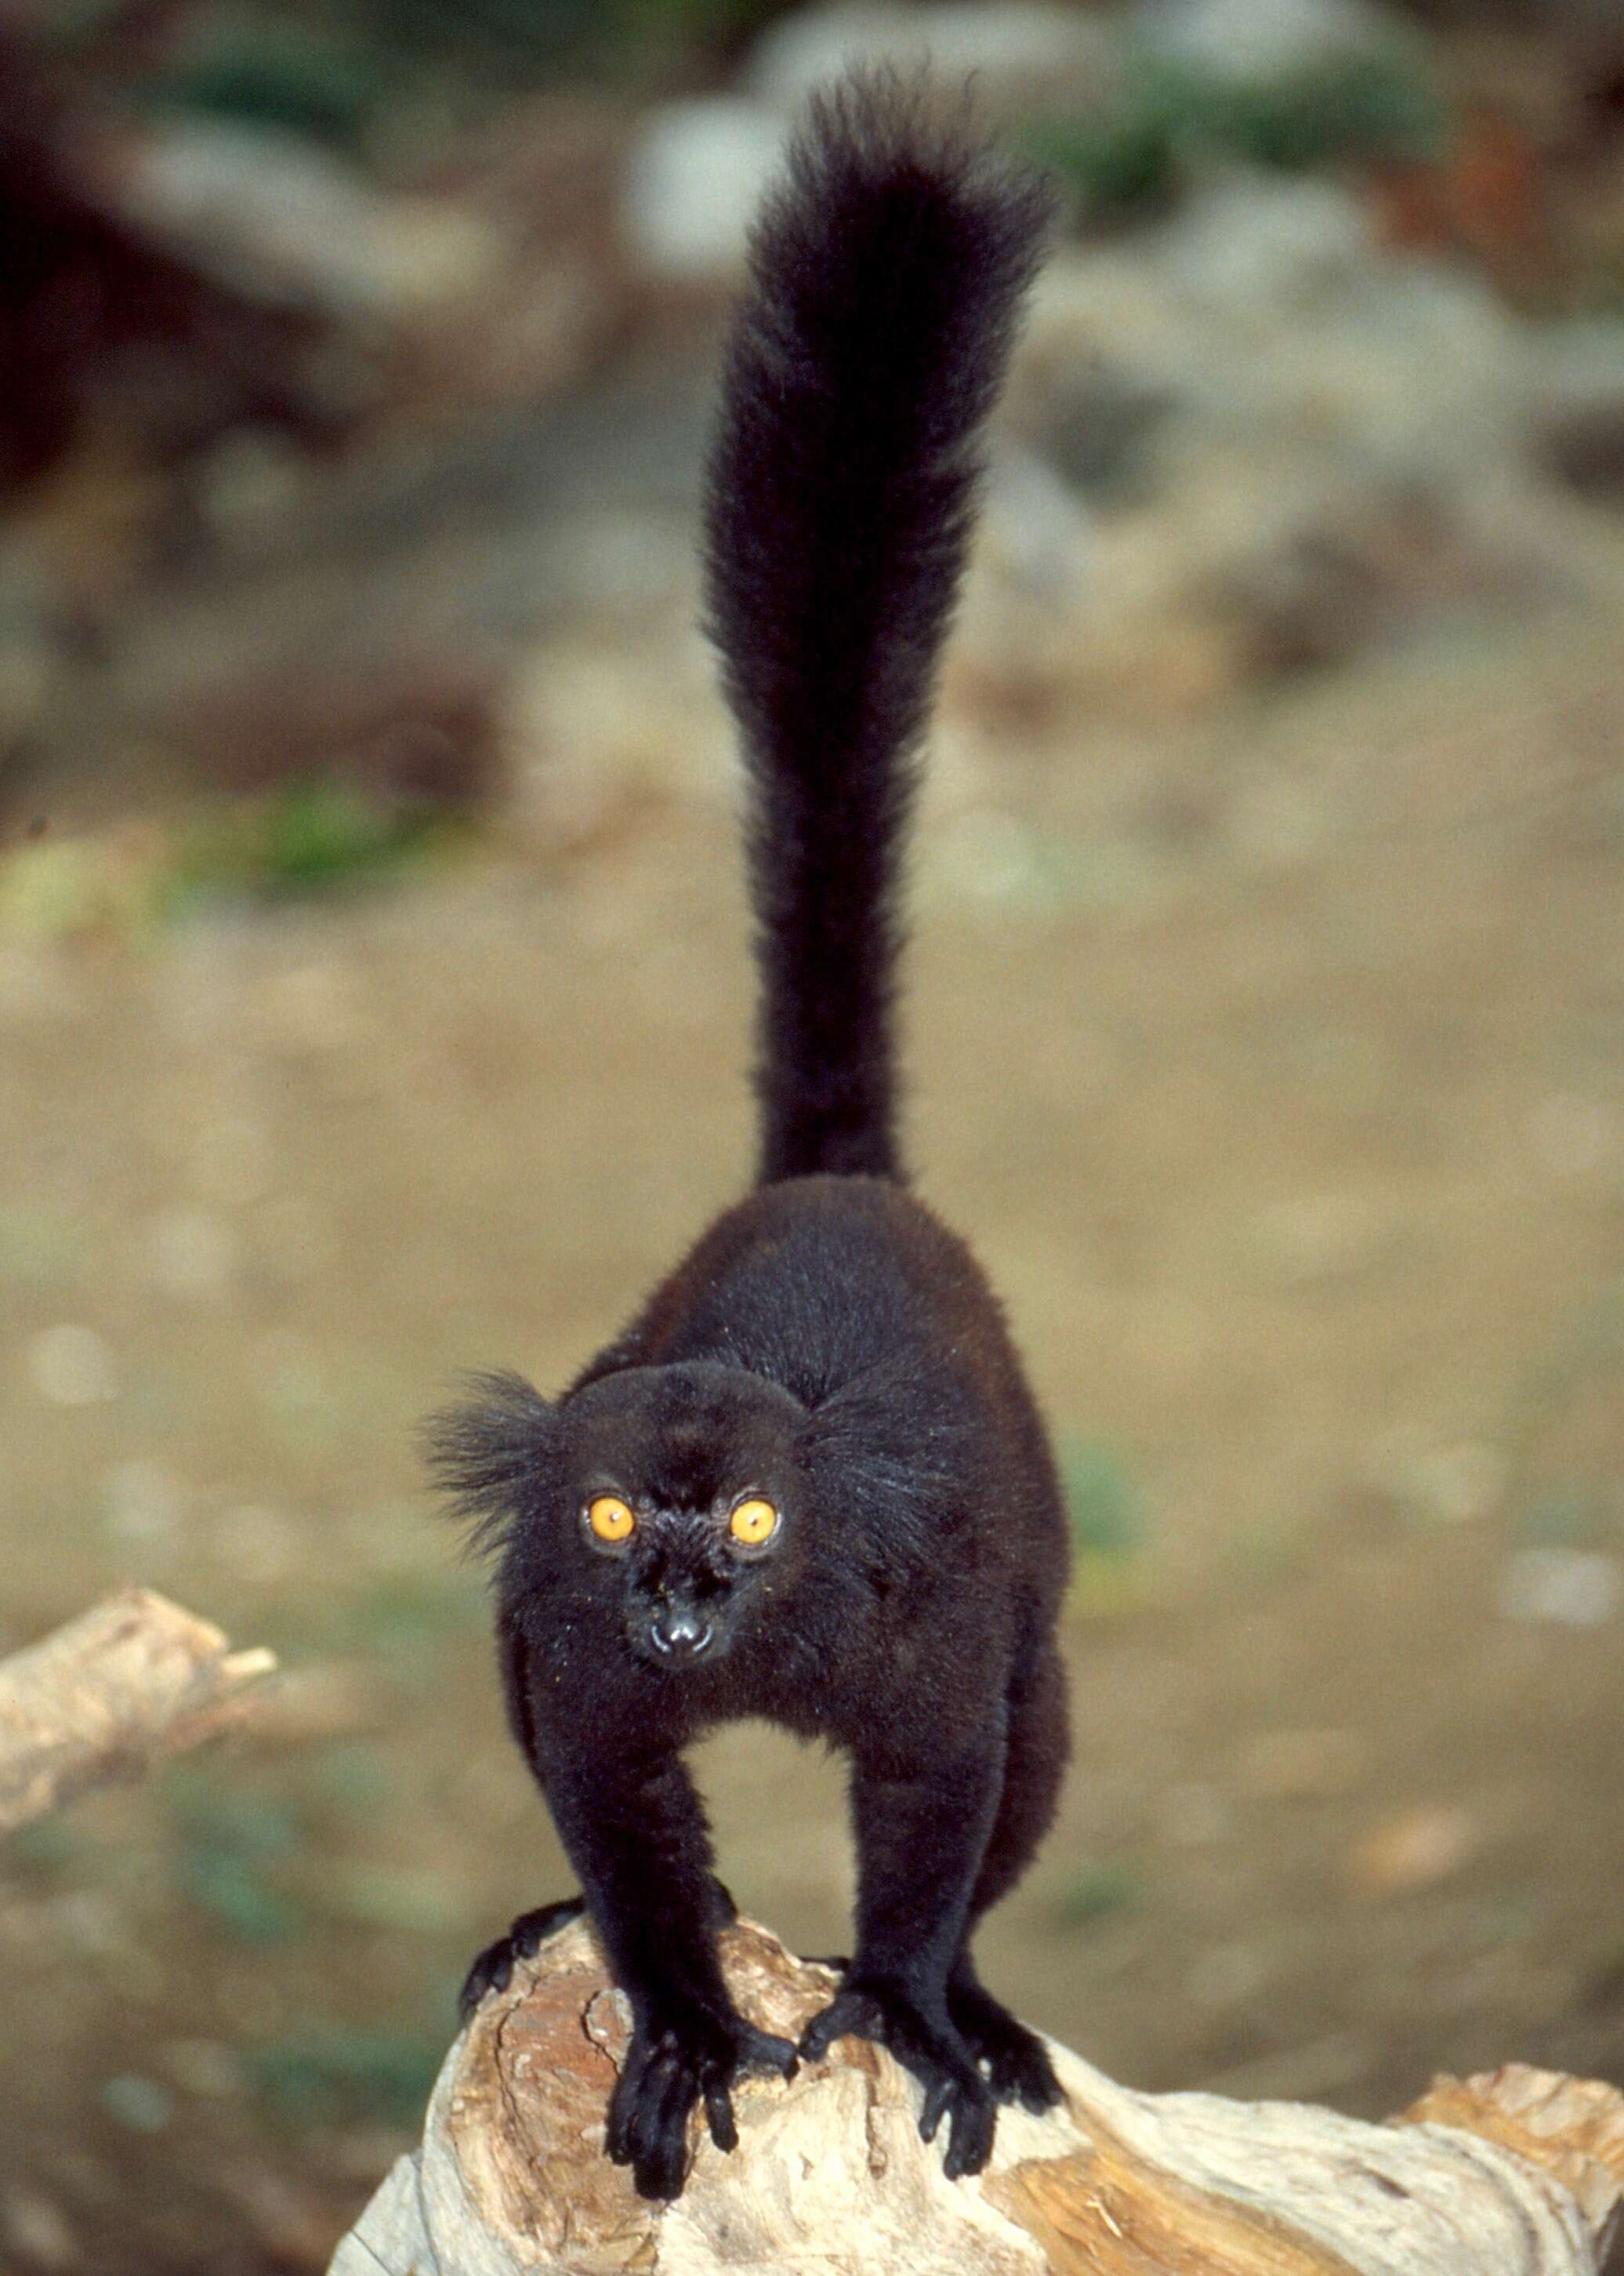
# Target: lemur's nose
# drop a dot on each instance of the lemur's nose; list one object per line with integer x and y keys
{"x": 679, "y": 1632}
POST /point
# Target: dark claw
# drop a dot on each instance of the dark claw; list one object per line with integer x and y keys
{"x": 936, "y": 2056}
{"x": 935, "y": 2109}
{"x": 493, "y": 1969}
{"x": 1017, "y": 2062}
{"x": 848, "y": 2013}
{"x": 675, "y": 2062}
{"x": 719, "y": 2118}
{"x": 969, "y": 2141}
{"x": 764, "y": 2051}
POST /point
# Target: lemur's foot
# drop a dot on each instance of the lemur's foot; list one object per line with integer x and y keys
{"x": 1018, "y": 2065}
{"x": 881, "y": 2009}
{"x": 682, "y": 2053}
{"x": 493, "y": 1970}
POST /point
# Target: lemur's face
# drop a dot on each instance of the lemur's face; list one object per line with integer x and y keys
{"x": 685, "y": 1489}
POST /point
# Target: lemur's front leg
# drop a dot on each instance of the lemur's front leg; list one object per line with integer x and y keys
{"x": 921, "y": 1827}
{"x": 635, "y": 1833}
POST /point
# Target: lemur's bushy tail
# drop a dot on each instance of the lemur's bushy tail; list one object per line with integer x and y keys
{"x": 886, "y": 272}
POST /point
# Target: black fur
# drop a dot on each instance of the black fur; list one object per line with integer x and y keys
{"x": 886, "y": 270}
{"x": 828, "y": 1346}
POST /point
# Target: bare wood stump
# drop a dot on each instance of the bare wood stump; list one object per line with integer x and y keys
{"x": 133, "y": 1679}
{"x": 1517, "y": 2173}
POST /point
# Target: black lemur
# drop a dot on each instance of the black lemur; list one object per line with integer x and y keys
{"x": 809, "y": 1482}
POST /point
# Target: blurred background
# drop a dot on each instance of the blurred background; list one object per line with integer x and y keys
{"x": 374, "y": 1005}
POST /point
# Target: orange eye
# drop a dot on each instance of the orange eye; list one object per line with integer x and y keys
{"x": 610, "y": 1517}
{"x": 754, "y": 1522}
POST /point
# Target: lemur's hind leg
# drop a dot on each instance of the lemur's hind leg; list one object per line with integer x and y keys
{"x": 1017, "y": 2064}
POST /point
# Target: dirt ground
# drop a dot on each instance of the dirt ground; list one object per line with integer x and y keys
{"x": 1276, "y": 1071}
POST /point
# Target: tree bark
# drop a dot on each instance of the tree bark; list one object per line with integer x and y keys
{"x": 130, "y": 1680}
{"x": 1520, "y": 2173}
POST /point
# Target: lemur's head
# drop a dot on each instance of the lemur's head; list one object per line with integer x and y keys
{"x": 667, "y": 1499}
{"x": 683, "y": 1482}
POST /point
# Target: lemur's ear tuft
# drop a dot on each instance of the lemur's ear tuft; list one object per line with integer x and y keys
{"x": 489, "y": 1454}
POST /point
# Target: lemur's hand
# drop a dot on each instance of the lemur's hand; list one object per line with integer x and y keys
{"x": 886, "y": 2011}
{"x": 682, "y": 2053}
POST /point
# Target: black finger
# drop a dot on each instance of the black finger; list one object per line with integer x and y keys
{"x": 764, "y": 2051}
{"x": 491, "y": 1972}
{"x": 818, "y": 2036}
{"x": 719, "y": 2117}
{"x": 936, "y": 2100}
{"x": 969, "y": 2141}
{"x": 659, "y": 2169}
{"x": 623, "y": 2104}
{"x": 531, "y": 1930}
{"x": 839, "y": 2017}
{"x": 648, "y": 2127}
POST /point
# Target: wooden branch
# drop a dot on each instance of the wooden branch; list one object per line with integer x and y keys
{"x": 1517, "y": 2173}
{"x": 133, "y": 1679}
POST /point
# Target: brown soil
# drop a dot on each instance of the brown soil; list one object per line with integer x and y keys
{"x": 1277, "y": 1073}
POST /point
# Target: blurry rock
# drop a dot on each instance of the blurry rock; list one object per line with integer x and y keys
{"x": 276, "y": 216}
{"x": 202, "y": 2066}
{"x": 73, "y": 1366}
{"x": 547, "y": 178}
{"x": 192, "y": 1253}
{"x": 1412, "y": 1850}
{"x": 1578, "y": 412}
{"x": 407, "y": 723}
{"x": 1021, "y": 57}
{"x": 1101, "y": 429}
{"x": 1252, "y": 241}
{"x": 1294, "y": 445}
{"x": 693, "y": 178}
{"x": 91, "y": 296}
{"x": 1346, "y": 581}
{"x": 37, "y": 2230}
{"x": 31, "y": 666}
{"x": 1265, "y": 317}
{"x": 589, "y": 743}
{"x": 1034, "y": 529}
{"x": 141, "y": 2106}
{"x": 1250, "y": 40}
{"x": 1452, "y": 1485}
{"x": 631, "y": 565}
{"x": 288, "y": 2219}
{"x": 251, "y": 482}
{"x": 1570, "y": 1587}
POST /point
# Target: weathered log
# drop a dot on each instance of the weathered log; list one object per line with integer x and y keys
{"x": 1517, "y": 2173}
{"x": 133, "y": 1679}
